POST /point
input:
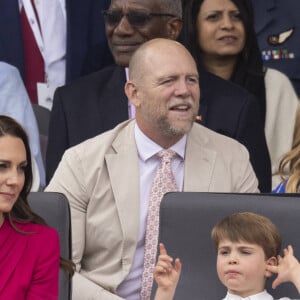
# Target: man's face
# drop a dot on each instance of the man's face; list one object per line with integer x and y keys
{"x": 124, "y": 38}
{"x": 168, "y": 95}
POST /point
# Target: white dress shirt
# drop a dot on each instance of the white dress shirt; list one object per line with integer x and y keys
{"x": 148, "y": 165}
{"x": 50, "y": 36}
{"x": 260, "y": 296}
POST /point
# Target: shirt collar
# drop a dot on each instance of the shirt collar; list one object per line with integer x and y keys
{"x": 127, "y": 73}
{"x": 147, "y": 148}
{"x": 260, "y": 296}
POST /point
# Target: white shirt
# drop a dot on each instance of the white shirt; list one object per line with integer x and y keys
{"x": 260, "y": 296}
{"x": 148, "y": 164}
{"x": 51, "y": 38}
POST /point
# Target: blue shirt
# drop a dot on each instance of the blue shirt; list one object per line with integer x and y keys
{"x": 280, "y": 189}
{"x": 14, "y": 102}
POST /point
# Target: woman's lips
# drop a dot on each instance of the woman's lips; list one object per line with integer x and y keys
{"x": 8, "y": 196}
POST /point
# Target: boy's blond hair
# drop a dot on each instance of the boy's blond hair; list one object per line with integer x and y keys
{"x": 251, "y": 228}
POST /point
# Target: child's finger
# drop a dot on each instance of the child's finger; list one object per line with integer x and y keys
{"x": 159, "y": 269}
{"x": 290, "y": 250}
{"x": 177, "y": 265}
{"x": 162, "y": 249}
{"x": 275, "y": 283}
{"x": 165, "y": 258}
{"x": 164, "y": 263}
{"x": 273, "y": 269}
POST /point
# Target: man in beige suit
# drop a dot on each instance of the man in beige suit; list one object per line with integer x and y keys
{"x": 107, "y": 179}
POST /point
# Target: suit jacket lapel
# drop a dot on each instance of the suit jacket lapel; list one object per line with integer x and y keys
{"x": 199, "y": 162}
{"x": 123, "y": 169}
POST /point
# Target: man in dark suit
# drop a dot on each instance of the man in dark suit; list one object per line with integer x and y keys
{"x": 96, "y": 103}
{"x": 277, "y": 25}
{"x": 85, "y": 31}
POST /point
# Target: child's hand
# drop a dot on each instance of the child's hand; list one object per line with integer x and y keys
{"x": 165, "y": 273}
{"x": 288, "y": 268}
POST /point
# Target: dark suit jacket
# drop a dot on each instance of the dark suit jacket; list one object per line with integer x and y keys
{"x": 230, "y": 110}
{"x": 97, "y": 102}
{"x": 85, "y": 31}
{"x": 272, "y": 18}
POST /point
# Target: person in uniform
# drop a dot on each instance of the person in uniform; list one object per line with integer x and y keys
{"x": 277, "y": 25}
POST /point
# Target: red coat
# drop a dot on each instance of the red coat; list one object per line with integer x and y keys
{"x": 29, "y": 262}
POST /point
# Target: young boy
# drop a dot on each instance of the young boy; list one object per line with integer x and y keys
{"x": 248, "y": 247}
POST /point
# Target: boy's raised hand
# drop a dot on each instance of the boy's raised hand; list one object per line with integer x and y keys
{"x": 288, "y": 269}
{"x": 166, "y": 273}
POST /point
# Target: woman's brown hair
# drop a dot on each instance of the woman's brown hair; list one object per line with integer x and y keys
{"x": 21, "y": 211}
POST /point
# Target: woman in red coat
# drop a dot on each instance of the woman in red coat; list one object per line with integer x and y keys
{"x": 29, "y": 250}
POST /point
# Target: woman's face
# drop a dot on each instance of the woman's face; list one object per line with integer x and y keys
{"x": 220, "y": 28}
{"x": 12, "y": 171}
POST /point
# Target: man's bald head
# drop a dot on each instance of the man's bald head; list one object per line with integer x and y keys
{"x": 143, "y": 57}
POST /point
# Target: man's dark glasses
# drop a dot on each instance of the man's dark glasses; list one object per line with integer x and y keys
{"x": 135, "y": 19}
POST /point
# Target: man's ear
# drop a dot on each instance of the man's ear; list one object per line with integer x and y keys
{"x": 131, "y": 92}
{"x": 272, "y": 261}
{"x": 174, "y": 26}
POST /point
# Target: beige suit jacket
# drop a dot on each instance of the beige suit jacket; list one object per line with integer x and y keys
{"x": 100, "y": 179}
{"x": 281, "y": 109}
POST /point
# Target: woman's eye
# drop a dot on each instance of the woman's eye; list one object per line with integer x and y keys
{"x": 212, "y": 17}
{"x": 23, "y": 168}
{"x": 236, "y": 16}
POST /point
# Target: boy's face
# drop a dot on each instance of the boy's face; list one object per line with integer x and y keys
{"x": 241, "y": 267}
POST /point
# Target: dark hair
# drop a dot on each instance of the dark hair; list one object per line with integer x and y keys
{"x": 249, "y": 71}
{"x": 21, "y": 210}
{"x": 171, "y": 6}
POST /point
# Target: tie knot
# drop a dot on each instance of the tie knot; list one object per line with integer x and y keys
{"x": 166, "y": 155}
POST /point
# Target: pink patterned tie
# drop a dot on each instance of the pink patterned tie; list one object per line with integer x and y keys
{"x": 163, "y": 182}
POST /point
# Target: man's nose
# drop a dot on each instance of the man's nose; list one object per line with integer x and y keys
{"x": 182, "y": 88}
{"x": 124, "y": 27}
